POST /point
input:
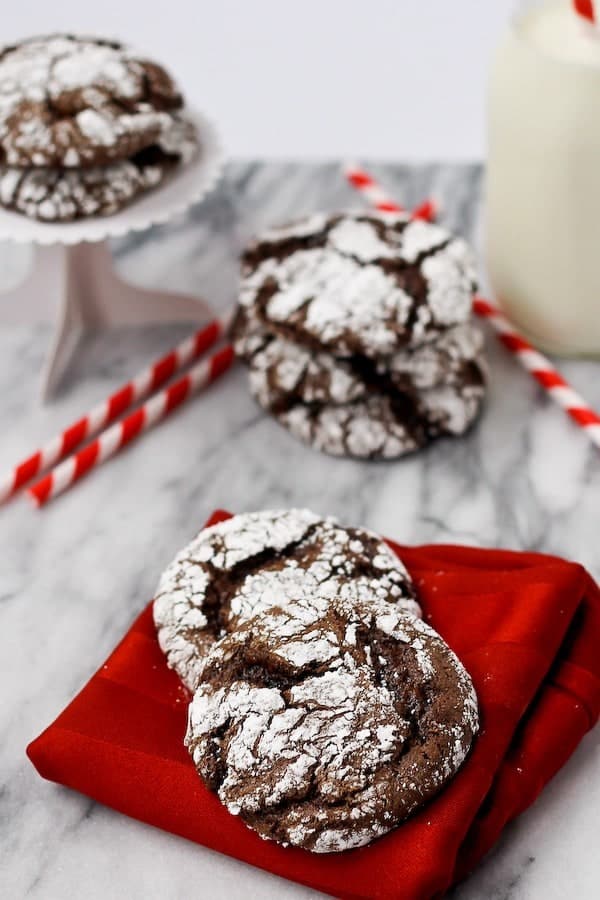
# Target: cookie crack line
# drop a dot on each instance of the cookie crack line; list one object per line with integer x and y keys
{"x": 239, "y": 572}
{"x": 282, "y": 246}
{"x": 393, "y": 267}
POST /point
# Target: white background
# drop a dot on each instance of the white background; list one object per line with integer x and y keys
{"x": 389, "y": 79}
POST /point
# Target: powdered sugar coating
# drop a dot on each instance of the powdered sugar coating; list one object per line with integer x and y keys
{"x": 282, "y": 372}
{"x": 388, "y": 426}
{"x": 450, "y": 284}
{"x": 256, "y": 561}
{"x": 62, "y": 195}
{"x": 437, "y": 362}
{"x": 367, "y": 429}
{"x": 358, "y": 283}
{"x": 357, "y": 332}
{"x": 69, "y": 101}
{"x": 334, "y": 748}
{"x": 345, "y": 293}
{"x": 451, "y": 412}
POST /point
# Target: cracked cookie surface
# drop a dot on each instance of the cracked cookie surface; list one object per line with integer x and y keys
{"x": 63, "y": 195}
{"x": 326, "y": 729}
{"x": 354, "y": 407}
{"x": 390, "y": 424}
{"x": 73, "y": 102}
{"x": 356, "y": 329}
{"x": 358, "y": 283}
{"x": 255, "y": 561}
{"x": 281, "y": 370}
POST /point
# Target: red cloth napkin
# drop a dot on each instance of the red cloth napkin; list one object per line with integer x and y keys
{"x": 527, "y": 627}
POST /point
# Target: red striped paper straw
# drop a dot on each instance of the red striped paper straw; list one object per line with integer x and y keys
{"x": 122, "y": 433}
{"x": 587, "y": 9}
{"x": 538, "y": 365}
{"x": 542, "y": 369}
{"x": 148, "y": 381}
{"x": 377, "y": 197}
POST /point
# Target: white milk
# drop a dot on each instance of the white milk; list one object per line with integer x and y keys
{"x": 543, "y": 179}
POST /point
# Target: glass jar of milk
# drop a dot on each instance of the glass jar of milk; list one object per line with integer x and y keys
{"x": 543, "y": 178}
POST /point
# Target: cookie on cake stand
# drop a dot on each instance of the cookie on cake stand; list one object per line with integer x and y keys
{"x": 72, "y": 280}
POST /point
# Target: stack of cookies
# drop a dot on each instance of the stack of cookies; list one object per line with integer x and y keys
{"x": 85, "y": 127}
{"x": 324, "y": 710}
{"x": 358, "y": 335}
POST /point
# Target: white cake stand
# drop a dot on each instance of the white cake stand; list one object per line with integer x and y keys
{"x": 72, "y": 268}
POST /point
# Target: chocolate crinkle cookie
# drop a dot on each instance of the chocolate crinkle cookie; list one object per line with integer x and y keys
{"x": 326, "y": 729}
{"x": 86, "y": 125}
{"x": 357, "y": 332}
{"x": 324, "y": 711}
{"x": 255, "y": 561}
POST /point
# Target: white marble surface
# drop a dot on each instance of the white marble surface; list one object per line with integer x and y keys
{"x": 74, "y": 575}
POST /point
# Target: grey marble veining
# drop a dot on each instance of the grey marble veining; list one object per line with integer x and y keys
{"x": 73, "y": 576}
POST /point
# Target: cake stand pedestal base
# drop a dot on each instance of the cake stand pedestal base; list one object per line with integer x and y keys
{"x": 73, "y": 282}
{"x": 77, "y": 287}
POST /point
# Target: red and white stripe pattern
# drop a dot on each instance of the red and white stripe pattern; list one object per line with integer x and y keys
{"x": 538, "y": 365}
{"x": 542, "y": 369}
{"x": 119, "y": 435}
{"x": 588, "y": 9}
{"x": 148, "y": 381}
{"x": 377, "y": 197}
